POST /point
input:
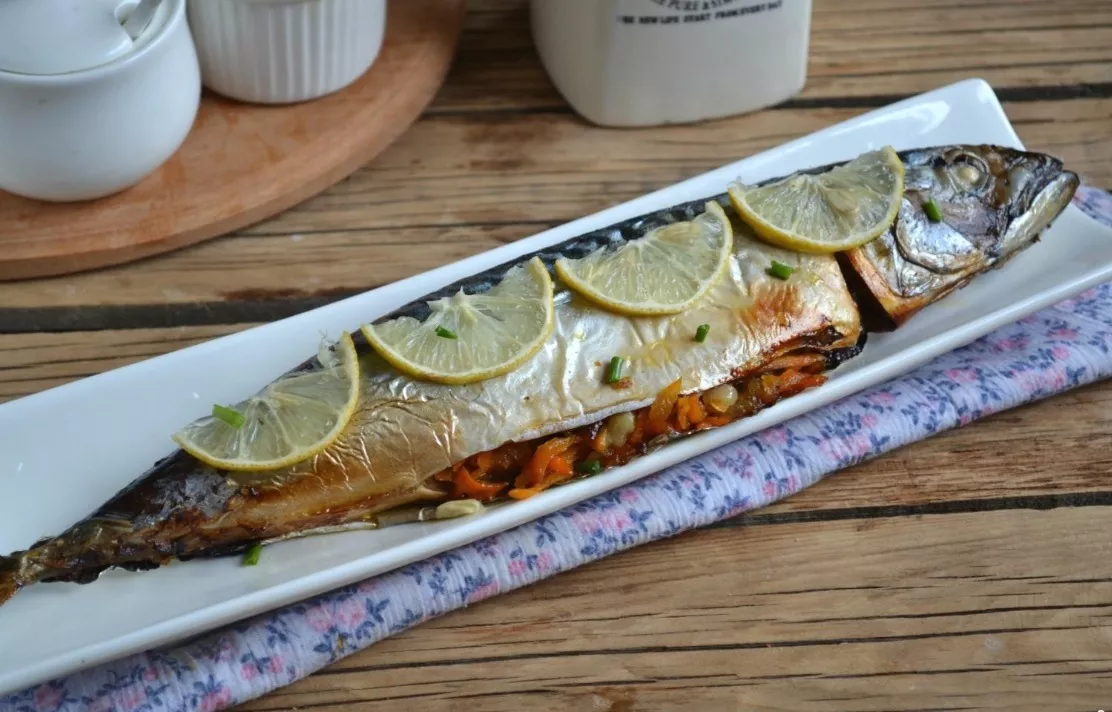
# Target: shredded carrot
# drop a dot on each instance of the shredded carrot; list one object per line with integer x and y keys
{"x": 554, "y": 479}
{"x": 792, "y": 382}
{"x": 696, "y": 413}
{"x": 806, "y": 362}
{"x": 640, "y": 424}
{"x": 661, "y": 409}
{"x": 555, "y": 476}
{"x": 483, "y": 462}
{"x": 769, "y": 390}
{"x": 682, "y": 423}
{"x": 689, "y": 412}
{"x": 713, "y": 421}
{"x": 513, "y": 456}
{"x": 559, "y": 465}
{"x": 533, "y": 473}
{"x": 469, "y": 486}
{"x": 521, "y": 470}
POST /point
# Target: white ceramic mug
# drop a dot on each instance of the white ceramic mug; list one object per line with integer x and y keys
{"x": 97, "y": 130}
{"x": 648, "y": 62}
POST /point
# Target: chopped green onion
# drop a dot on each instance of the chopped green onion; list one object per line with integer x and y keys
{"x": 230, "y": 416}
{"x": 252, "y": 556}
{"x": 445, "y": 333}
{"x": 934, "y": 213}
{"x": 779, "y": 270}
{"x": 701, "y": 332}
{"x": 589, "y": 467}
{"x": 614, "y": 373}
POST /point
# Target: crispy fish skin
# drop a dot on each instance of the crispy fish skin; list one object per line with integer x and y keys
{"x": 994, "y": 201}
{"x": 405, "y": 431}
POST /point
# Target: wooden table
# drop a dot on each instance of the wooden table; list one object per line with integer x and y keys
{"x": 970, "y": 571}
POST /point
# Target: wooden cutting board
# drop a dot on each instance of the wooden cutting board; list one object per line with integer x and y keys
{"x": 243, "y": 163}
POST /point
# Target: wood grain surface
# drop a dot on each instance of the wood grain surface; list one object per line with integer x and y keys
{"x": 969, "y": 571}
{"x": 242, "y": 162}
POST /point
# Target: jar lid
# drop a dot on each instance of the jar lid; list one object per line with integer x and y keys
{"x": 60, "y": 36}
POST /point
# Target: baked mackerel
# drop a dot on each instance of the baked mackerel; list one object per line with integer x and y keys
{"x": 413, "y": 445}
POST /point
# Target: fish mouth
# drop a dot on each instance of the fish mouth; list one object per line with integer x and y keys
{"x": 1046, "y": 203}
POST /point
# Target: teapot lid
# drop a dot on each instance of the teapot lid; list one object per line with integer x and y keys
{"x": 60, "y": 36}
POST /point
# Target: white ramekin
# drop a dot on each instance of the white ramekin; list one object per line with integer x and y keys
{"x": 285, "y": 51}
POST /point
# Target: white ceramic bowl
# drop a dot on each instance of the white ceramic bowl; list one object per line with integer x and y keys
{"x": 285, "y": 51}
{"x": 87, "y": 134}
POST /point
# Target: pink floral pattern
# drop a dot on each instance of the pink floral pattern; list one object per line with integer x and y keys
{"x": 1057, "y": 349}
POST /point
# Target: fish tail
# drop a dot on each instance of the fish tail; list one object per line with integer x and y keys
{"x": 10, "y": 579}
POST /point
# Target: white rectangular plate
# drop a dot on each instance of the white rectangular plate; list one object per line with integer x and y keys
{"x": 65, "y": 451}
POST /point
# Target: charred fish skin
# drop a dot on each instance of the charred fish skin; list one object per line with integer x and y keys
{"x": 994, "y": 202}
{"x": 11, "y": 578}
{"x": 162, "y": 510}
{"x": 405, "y": 431}
{"x": 182, "y": 509}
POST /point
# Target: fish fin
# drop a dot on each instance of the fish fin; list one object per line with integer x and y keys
{"x": 9, "y": 578}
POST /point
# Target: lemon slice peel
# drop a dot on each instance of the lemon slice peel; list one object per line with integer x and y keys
{"x": 286, "y": 422}
{"x": 481, "y": 336}
{"x": 663, "y": 272}
{"x": 836, "y": 210}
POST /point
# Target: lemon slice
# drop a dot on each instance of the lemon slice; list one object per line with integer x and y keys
{"x": 664, "y": 272}
{"x": 835, "y": 210}
{"x": 472, "y": 337}
{"x": 288, "y": 421}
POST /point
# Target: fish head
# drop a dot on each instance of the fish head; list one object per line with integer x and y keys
{"x": 993, "y": 202}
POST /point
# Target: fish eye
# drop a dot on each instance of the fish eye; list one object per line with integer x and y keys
{"x": 968, "y": 171}
{"x": 968, "y": 174}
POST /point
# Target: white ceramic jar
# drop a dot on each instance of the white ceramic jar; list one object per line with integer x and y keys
{"x": 285, "y": 51}
{"x": 649, "y": 62}
{"x": 85, "y": 111}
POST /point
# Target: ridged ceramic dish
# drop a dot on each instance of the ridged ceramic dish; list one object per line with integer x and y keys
{"x": 285, "y": 51}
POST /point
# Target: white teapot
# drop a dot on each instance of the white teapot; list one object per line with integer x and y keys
{"x": 86, "y": 110}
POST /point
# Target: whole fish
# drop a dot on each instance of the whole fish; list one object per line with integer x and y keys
{"x": 413, "y": 448}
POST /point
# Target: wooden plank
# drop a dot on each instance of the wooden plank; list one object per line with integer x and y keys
{"x": 466, "y": 184}
{"x": 272, "y": 267}
{"x": 859, "y": 49}
{"x": 549, "y": 168}
{"x": 30, "y": 363}
{"x": 1060, "y": 445}
{"x": 985, "y": 611}
{"x": 492, "y": 168}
